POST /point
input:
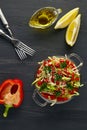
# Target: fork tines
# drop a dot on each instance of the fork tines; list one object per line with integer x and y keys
{"x": 25, "y": 48}
{"x": 21, "y": 54}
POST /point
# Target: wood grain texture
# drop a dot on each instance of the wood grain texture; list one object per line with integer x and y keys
{"x": 29, "y": 116}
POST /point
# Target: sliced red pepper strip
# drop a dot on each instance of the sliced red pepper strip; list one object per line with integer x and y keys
{"x": 53, "y": 97}
{"x": 11, "y": 94}
{"x": 1, "y": 101}
{"x": 47, "y": 96}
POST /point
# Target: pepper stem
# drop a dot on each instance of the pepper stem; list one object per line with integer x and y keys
{"x": 7, "y": 107}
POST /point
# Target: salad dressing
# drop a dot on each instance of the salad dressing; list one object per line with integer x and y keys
{"x": 44, "y": 17}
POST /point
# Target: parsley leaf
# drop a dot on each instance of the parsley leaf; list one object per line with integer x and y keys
{"x": 69, "y": 86}
{"x": 57, "y": 93}
{"x": 58, "y": 77}
{"x": 47, "y": 69}
{"x": 63, "y": 64}
{"x": 43, "y": 87}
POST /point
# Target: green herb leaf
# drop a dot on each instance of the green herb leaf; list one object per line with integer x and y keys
{"x": 63, "y": 65}
{"x": 58, "y": 93}
{"x": 58, "y": 77}
{"x": 47, "y": 69}
{"x": 69, "y": 86}
{"x": 43, "y": 87}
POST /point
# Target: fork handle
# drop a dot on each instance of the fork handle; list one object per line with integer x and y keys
{"x": 5, "y": 23}
{"x": 2, "y": 33}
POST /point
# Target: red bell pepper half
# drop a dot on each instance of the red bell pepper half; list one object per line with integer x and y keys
{"x": 11, "y": 94}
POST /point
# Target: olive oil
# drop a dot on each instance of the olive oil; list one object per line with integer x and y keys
{"x": 44, "y": 17}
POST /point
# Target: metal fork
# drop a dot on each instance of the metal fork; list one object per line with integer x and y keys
{"x": 18, "y": 44}
{"x": 20, "y": 53}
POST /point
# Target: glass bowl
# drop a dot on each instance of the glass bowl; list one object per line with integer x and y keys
{"x": 50, "y": 99}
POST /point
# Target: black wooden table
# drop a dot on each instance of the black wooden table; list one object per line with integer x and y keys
{"x": 69, "y": 116}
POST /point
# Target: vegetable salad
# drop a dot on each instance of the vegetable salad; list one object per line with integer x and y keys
{"x": 57, "y": 78}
